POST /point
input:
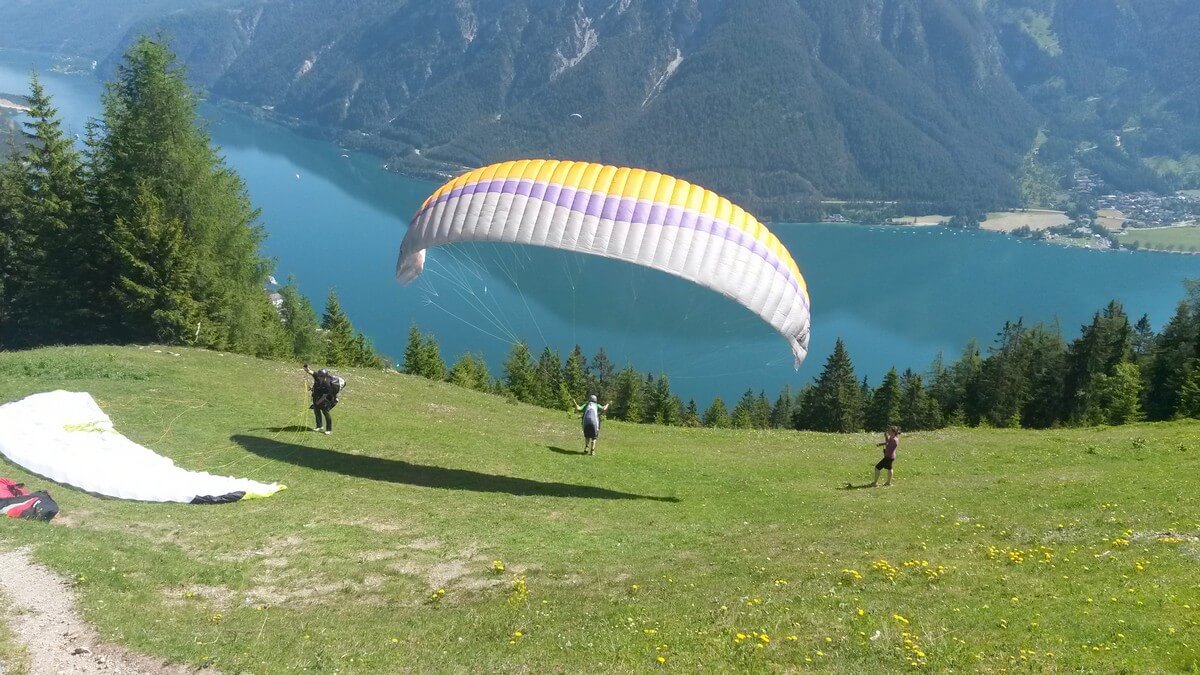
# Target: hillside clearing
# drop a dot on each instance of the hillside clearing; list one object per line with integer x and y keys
{"x": 442, "y": 529}
{"x": 1179, "y": 238}
{"x": 1034, "y": 219}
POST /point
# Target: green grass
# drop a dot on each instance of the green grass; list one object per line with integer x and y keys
{"x": 1071, "y": 550}
{"x": 1164, "y": 238}
{"x": 13, "y": 655}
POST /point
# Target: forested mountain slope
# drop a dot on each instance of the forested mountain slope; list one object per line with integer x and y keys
{"x": 779, "y": 103}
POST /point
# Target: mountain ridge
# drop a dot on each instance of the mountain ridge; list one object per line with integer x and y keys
{"x": 937, "y": 104}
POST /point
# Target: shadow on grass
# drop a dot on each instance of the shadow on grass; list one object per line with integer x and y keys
{"x": 563, "y": 451}
{"x": 407, "y": 473}
{"x": 283, "y": 430}
{"x": 849, "y": 486}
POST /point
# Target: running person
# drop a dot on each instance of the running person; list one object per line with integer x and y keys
{"x": 591, "y": 423}
{"x": 891, "y": 442}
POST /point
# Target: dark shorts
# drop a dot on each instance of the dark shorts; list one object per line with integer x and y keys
{"x": 885, "y": 463}
{"x": 590, "y": 430}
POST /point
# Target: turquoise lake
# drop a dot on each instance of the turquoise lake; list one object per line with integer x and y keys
{"x": 896, "y": 296}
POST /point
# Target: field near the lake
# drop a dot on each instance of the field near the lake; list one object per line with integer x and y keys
{"x": 1034, "y": 219}
{"x": 440, "y": 529}
{"x": 1184, "y": 238}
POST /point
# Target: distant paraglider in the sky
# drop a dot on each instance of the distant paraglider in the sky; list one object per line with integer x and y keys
{"x": 638, "y": 216}
{"x": 576, "y": 116}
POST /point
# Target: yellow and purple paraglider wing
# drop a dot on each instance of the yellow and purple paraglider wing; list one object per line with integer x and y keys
{"x": 639, "y": 216}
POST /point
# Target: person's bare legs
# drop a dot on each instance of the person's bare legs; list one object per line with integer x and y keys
{"x": 875, "y": 482}
{"x": 889, "y": 480}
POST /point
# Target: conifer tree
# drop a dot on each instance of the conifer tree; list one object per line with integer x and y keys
{"x": 661, "y": 403}
{"x": 1115, "y": 398}
{"x": 519, "y": 377}
{"x": 1169, "y": 366}
{"x": 432, "y": 365}
{"x": 742, "y": 416}
{"x": 574, "y": 376}
{"x": 470, "y": 371}
{"x": 548, "y": 379}
{"x": 627, "y": 396}
{"x": 917, "y": 409}
{"x": 152, "y": 142}
{"x": 12, "y": 241}
{"x": 1189, "y": 393}
{"x": 299, "y": 323}
{"x": 884, "y": 411}
{"x": 1143, "y": 338}
{"x": 340, "y": 349}
{"x": 154, "y": 270}
{"x": 836, "y": 400}
{"x": 761, "y": 416}
{"x": 48, "y": 307}
{"x": 1101, "y": 346}
{"x": 691, "y": 415}
{"x": 781, "y": 412}
{"x": 717, "y": 415}
{"x": 413, "y": 354}
{"x": 600, "y": 375}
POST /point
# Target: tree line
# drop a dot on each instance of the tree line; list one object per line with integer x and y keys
{"x": 143, "y": 234}
{"x": 1115, "y": 372}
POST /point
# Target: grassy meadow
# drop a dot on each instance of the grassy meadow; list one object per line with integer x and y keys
{"x": 1186, "y": 238}
{"x": 439, "y": 529}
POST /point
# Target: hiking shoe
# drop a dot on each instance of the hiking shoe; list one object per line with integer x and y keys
{"x": 327, "y": 432}
{"x": 318, "y": 429}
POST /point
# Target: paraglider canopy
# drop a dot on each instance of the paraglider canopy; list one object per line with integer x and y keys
{"x": 643, "y": 217}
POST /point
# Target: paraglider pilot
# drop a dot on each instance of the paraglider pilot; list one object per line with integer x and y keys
{"x": 325, "y": 390}
{"x": 891, "y": 442}
{"x": 591, "y": 423}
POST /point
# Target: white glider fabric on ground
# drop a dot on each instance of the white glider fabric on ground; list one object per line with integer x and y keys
{"x": 65, "y": 437}
{"x": 643, "y": 217}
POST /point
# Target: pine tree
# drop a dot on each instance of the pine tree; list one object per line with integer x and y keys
{"x": 884, "y": 410}
{"x": 717, "y": 415}
{"x": 837, "y": 401}
{"x": 958, "y": 394}
{"x": 918, "y": 411}
{"x": 49, "y": 307}
{"x": 299, "y": 323}
{"x": 627, "y": 396}
{"x": 1143, "y": 338}
{"x": 761, "y": 416}
{"x": 574, "y": 376}
{"x": 666, "y": 406}
{"x": 1169, "y": 366}
{"x": 413, "y": 354}
{"x": 13, "y": 247}
{"x": 548, "y": 379}
{"x": 691, "y": 415}
{"x": 152, "y": 142}
{"x": 742, "y": 416}
{"x": 600, "y": 374}
{"x": 1116, "y": 398}
{"x": 803, "y": 406}
{"x": 1102, "y": 345}
{"x": 1044, "y": 359}
{"x": 470, "y": 371}
{"x": 1189, "y": 393}
{"x": 339, "y": 333}
{"x": 432, "y": 365}
{"x": 1002, "y": 387}
{"x": 519, "y": 377}
{"x": 781, "y": 412}
{"x": 154, "y": 275}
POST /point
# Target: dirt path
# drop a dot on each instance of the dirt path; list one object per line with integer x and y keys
{"x": 44, "y": 619}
